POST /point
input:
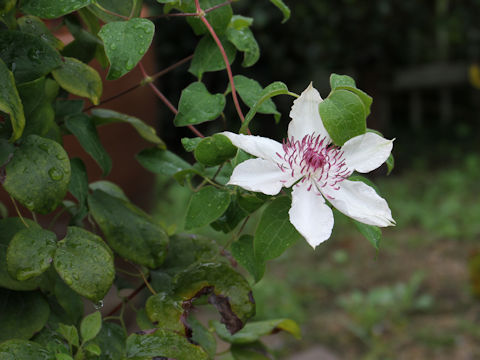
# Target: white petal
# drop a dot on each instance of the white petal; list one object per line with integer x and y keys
{"x": 310, "y": 215}
{"x": 260, "y": 176}
{"x": 360, "y": 202}
{"x": 258, "y": 146}
{"x": 366, "y": 152}
{"x": 305, "y": 116}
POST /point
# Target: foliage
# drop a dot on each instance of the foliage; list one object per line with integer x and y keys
{"x": 44, "y": 276}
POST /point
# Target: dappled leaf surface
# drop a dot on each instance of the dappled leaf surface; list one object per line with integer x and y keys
{"x": 22, "y": 314}
{"x": 125, "y": 44}
{"x": 197, "y": 105}
{"x": 205, "y": 206}
{"x": 229, "y": 291}
{"x": 8, "y": 228}
{"x": 27, "y": 56}
{"x": 52, "y": 9}
{"x": 24, "y": 350}
{"x": 10, "y": 102}
{"x": 84, "y": 263}
{"x": 79, "y": 79}
{"x": 38, "y": 174}
{"x": 163, "y": 343}
{"x": 129, "y": 230}
{"x": 30, "y": 253}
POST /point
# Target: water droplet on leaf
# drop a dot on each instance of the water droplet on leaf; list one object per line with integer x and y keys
{"x": 98, "y": 305}
{"x": 55, "y": 174}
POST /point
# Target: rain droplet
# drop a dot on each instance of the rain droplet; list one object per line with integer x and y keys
{"x": 98, "y": 305}
{"x": 33, "y": 54}
{"x": 113, "y": 46}
{"x": 129, "y": 65}
{"x": 141, "y": 52}
{"x": 55, "y": 174}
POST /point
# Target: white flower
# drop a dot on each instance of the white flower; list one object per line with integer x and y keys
{"x": 317, "y": 168}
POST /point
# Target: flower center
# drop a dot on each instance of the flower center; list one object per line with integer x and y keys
{"x": 313, "y": 159}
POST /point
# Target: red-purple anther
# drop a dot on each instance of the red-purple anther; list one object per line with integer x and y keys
{"x": 314, "y": 159}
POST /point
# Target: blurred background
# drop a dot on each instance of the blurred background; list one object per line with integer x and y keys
{"x": 418, "y": 297}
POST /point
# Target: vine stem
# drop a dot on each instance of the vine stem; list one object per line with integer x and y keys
{"x": 164, "y": 99}
{"x": 201, "y": 14}
{"x": 143, "y": 82}
{"x": 129, "y": 298}
{"x": 18, "y": 212}
{"x": 182, "y": 14}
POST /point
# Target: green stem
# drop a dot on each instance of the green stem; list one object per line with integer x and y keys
{"x": 18, "y": 212}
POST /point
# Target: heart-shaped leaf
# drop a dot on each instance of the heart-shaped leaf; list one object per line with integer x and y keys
{"x": 125, "y": 44}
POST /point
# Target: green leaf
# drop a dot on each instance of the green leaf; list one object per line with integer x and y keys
{"x": 105, "y": 116}
{"x": 250, "y": 92}
{"x": 205, "y": 206}
{"x": 30, "y": 253}
{"x": 69, "y": 300}
{"x": 23, "y": 314}
{"x": 230, "y": 218}
{"x": 250, "y": 351}
{"x": 370, "y": 232}
{"x": 163, "y": 343}
{"x": 189, "y": 144}
{"x": 344, "y": 115}
{"x": 27, "y": 56}
{"x": 93, "y": 349}
{"x": 214, "y": 150}
{"x": 390, "y": 164}
{"x": 255, "y": 330}
{"x": 165, "y": 311}
{"x": 38, "y": 174}
{"x": 109, "y": 188}
{"x": 22, "y": 349}
{"x": 79, "y": 79}
{"x": 84, "y": 263}
{"x": 128, "y": 230}
{"x": 274, "y": 233}
{"x": 244, "y": 41}
{"x": 283, "y": 8}
{"x": 65, "y": 108}
{"x": 197, "y": 105}
{"x": 62, "y": 356}
{"x": 78, "y": 185}
{"x": 242, "y": 251}
{"x": 69, "y": 333}
{"x": 52, "y": 9}
{"x": 229, "y": 291}
{"x": 125, "y": 44}
{"x": 85, "y": 44}
{"x": 341, "y": 80}
{"x": 162, "y": 162}
{"x": 7, "y": 5}
{"x": 345, "y": 82}
{"x": 203, "y": 337}
{"x": 111, "y": 340}
{"x": 274, "y": 89}
{"x": 8, "y": 228}
{"x": 128, "y": 8}
{"x": 83, "y": 128}
{"x": 207, "y": 57}
{"x": 6, "y": 150}
{"x": 218, "y": 19}
{"x": 90, "y": 326}
{"x": 239, "y": 22}
{"x": 33, "y": 25}
{"x": 10, "y": 102}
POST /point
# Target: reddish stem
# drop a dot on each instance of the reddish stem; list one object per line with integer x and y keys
{"x": 190, "y": 14}
{"x": 201, "y": 14}
{"x": 218, "y": 6}
{"x": 165, "y": 100}
{"x": 130, "y": 297}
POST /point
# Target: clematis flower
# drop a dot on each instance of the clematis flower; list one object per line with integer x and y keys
{"x": 317, "y": 170}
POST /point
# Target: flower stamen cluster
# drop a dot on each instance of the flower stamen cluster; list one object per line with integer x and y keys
{"x": 313, "y": 159}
